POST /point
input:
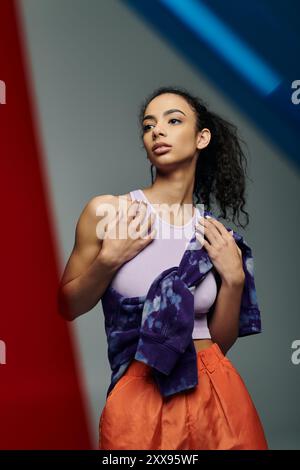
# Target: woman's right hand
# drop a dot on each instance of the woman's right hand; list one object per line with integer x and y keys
{"x": 127, "y": 234}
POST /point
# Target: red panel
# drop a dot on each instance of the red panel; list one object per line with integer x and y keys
{"x": 41, "y": 404}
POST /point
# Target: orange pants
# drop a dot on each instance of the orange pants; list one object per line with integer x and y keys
{"x": 218, "y": 414}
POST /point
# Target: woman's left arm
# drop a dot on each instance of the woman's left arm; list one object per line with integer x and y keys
{"x": 224, "y": 324}
{"x": 226, "y": 257}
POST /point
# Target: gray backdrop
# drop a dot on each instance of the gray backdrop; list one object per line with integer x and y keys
{"x": 92, "y": 64}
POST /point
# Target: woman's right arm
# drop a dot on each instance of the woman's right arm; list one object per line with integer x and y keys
{"x": 90, "y": 267}
{"x": 87, "y": 274}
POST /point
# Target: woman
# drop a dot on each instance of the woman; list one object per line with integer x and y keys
{"x": 195, "y": 153}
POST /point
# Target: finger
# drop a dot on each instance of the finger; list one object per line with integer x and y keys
{"x": 219, "y": 226}
{"x": 132, "y": 210}
{"x": 112, "y": 223}
{"x": 140, "y": 217}
{"x": 202, "y": 240}
{"x": 210, "y": 231}
{"x": 132, "y": 213}
{"x": 149, "y": 222}
{"x": 199, "y": 230}
{"x": 151, "y": 235}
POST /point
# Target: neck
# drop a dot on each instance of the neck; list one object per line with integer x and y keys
{"x": 174, "y": 190}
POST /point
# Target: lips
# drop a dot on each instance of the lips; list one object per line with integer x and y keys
{"x": 162, "y": 149}
{"x": 160, "y": 144}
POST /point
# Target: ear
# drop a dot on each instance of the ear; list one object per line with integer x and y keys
{"x": 203, "y": 138}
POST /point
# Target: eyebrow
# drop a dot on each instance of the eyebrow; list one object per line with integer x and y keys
{"x": 169, "y": 111}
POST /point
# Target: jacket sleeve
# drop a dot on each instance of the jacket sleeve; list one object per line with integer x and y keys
{"x": 167, "y": 324}
{"x": 250, "y": 317}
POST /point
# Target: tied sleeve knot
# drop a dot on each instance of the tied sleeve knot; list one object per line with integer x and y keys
{"x": 167, "y": 322}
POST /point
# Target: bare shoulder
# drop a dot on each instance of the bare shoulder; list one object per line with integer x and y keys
{"x": 98, "y": 203}
{"x": 104, "y": 205}
{"x": 110, "y": 197}
{"x": 87, "y": 243}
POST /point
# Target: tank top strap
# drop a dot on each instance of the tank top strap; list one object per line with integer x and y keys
{"x": 138, "y": 195}
{"x": 135, "y": 195}
{"x": 198, "y": 214}
{"x": 203, "y": 213}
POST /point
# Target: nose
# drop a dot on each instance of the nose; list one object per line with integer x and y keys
{"x": 157, "y": 132}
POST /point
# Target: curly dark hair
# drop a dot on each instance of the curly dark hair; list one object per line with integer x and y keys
{"x": 219, "y": 170}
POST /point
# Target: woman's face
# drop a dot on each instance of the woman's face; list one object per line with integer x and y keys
{"x": 175, "y": 128}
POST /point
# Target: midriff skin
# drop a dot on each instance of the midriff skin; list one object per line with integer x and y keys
{"x": 202, "y": 343}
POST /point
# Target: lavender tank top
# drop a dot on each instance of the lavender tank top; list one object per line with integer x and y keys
{"x": 135, "y": 276}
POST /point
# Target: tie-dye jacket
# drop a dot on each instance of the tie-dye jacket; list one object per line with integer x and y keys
{"x": 156, "y": 328}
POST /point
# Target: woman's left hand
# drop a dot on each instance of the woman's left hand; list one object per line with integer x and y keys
{"x": 223, "y": 251}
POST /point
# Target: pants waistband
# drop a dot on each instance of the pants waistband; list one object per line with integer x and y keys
{"x": 206, "y": 358}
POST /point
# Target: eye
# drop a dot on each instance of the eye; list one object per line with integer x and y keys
{"x": 145, "y": 128}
